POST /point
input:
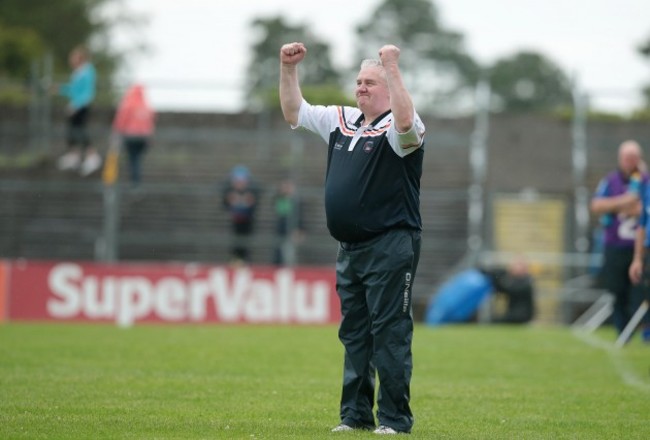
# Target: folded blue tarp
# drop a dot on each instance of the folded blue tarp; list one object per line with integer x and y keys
{"x": 459, "y": 298}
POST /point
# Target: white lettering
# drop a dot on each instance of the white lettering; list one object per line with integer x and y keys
{"x": 318, "y": 312}
{"x": 407, "y": 288}
{"x": 229, "y": 302}
{"x": 235, "y": 296}
{"x": 170, "y": 298}
{"x": 99, "y": 303}
{"x": 284, "y": 281}
{"x": 61, "y": 281}
{"x": 199, "y": 294}
{"x": 260, "y": 304}
{"x": 135, "y": 300}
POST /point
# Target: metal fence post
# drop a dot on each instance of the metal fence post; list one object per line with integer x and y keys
{"x": 579, "y": 159}
{"x": 46, "y": 82}
{"x": 108, "y": 248}
{"x": 478, "y": 165}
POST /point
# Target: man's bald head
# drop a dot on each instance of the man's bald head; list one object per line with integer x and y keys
{"x": 629, "y": 156}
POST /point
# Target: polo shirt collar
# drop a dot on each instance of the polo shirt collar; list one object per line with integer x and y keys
{"x": 375, "y": 122}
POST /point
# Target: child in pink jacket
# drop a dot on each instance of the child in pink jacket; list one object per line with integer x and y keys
{"x": 134, "y": 124}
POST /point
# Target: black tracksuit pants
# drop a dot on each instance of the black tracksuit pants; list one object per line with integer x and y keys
{"x": 617, "y": 281}
{"x": 374, "y": 280}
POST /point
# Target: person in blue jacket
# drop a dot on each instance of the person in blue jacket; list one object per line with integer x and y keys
{"x": 80, "y": 91}
{"x": 639, "y": 270}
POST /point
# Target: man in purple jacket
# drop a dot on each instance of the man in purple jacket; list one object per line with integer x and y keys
{"x": 617, "y": 202}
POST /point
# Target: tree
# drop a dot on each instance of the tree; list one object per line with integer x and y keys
{"x": 528, "y": 81}
{"x": 438, "y": 71}
{"x": 18, "y": 47}
{"x": 319, "y": 79}
{"x": 55, "y": 27}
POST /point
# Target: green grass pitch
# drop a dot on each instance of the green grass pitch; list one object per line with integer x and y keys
{"x": 61, "y": 381}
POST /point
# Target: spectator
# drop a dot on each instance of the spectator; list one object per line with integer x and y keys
{"x": 617, "y": 203}
{"x": 80, "y": 91}
{"x": 289, "y": 223}
{"x": 516, "y": 284}
{"x": 133, "y": 126}
{"x": 240, "y": 198}
{"x": 372, "y": 191}
{"x": 639, "y": 270}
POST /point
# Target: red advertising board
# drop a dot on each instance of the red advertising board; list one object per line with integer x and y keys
{"x": 3, "y": 289}
{"x": 127, "y": 294}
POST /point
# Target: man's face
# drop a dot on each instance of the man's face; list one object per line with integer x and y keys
{"x": 372, "y": 91}
{"x": 629, "y": 160}
{"x": 239, "y": 183}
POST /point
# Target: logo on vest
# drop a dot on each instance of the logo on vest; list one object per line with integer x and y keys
{"x": 338, "y": 146}
{"x": 368, "y": 147}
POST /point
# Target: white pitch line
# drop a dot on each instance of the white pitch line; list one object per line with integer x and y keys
{"x": 628, "y": 376}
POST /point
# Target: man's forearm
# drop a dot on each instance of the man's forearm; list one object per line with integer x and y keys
{"x": 614, "y": 204}
{"x": 290, "y": 94}
{"x": 639, "y": 243}
{"x": 400, "y": 100}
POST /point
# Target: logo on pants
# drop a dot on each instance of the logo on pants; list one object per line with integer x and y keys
{"x": 407, "y": 292}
